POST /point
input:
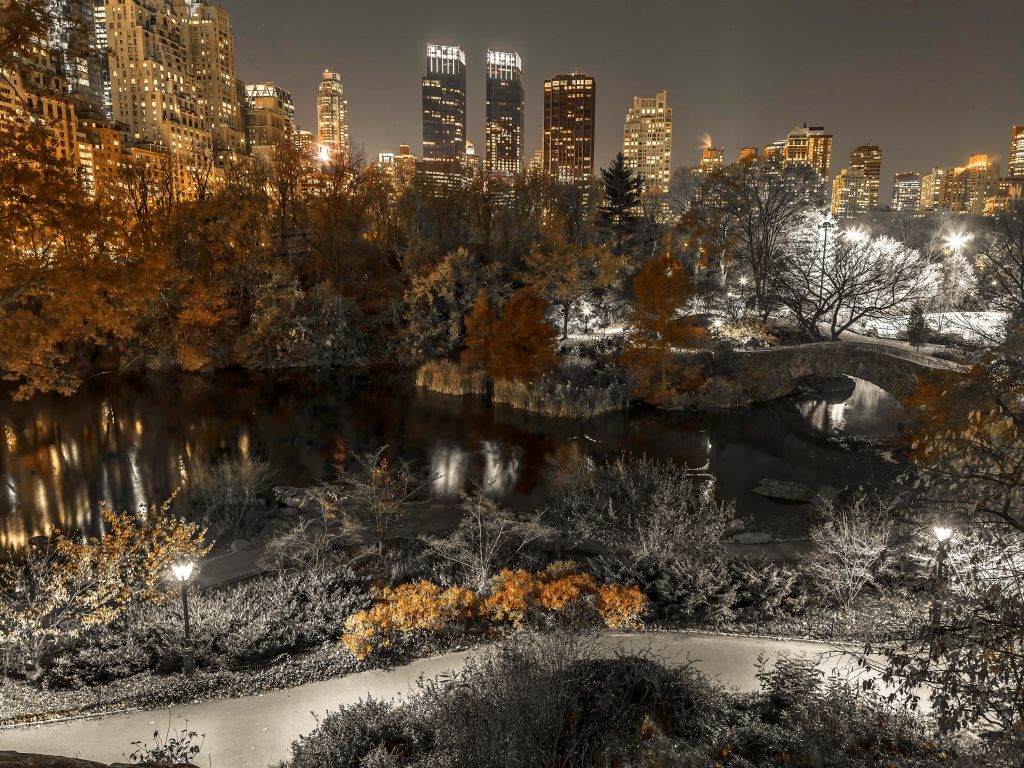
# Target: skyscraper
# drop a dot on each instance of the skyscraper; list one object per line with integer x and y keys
{"x": 1016, "y": 161}
{"x": 332, "y": 116}
{"x": 569, "y": 109}
{"x": 444, "y": 104}
{"x": 647, "y": 141}
{"x": 849, "y": 191}
{"x": 505, "y": 110}
{"x": 932, "y": 185}
{"x": 153, "y": 85}
{"x": 906, "y": 191}
{"x": 747, "y": 155}
{"x": 212, "y": 62}
{"x": 969, "y": 187}
{"x": 868, "y": 159}
{"x": 712, "y": 159}
{"x": 811, "y": 147}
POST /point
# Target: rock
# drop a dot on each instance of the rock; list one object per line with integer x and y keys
{"x": 734, "y": 526}
{"x": 829, "y": 492}
{"x": 752, "y": 537}
{"x": 784, "y": 490}
{"x": 241, "y": 545}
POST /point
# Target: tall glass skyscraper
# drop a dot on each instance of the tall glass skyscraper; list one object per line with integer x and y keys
{"x": 444, "y": 103}
{"x": 332, "y": 115}
{"x": 505, "y": 100}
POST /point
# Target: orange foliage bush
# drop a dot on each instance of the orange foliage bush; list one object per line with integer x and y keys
{"x": 516, "y": 597}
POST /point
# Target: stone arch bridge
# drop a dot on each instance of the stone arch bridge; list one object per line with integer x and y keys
{"x": 770, "y": 373}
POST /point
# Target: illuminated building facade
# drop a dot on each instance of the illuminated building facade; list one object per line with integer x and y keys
{"x": 304, "y": 142}
{"x": 505, "y": 113}
{"x": 569, "y": 112}
{"x": 712, "y": 159}
{"x": 906, "y": 191}
{"x": 775, "y": 153}
{"x": 647, "y": 141}
{"x": 747, "y": 154}
{"x": 269, "y": 117}
{"x": 932, "y": 185}
{"x": 968, "y": 188}
{"x": 1016, "y": 162}
{"x": 867, "y": 158}
{"x": 332, "y": 116}
{"x": 212, "y": 64}
{"x": 444, "y": 104}
{"x": 400, "y": 166}
{"x": 849, "y": 191}
{"x": 811, "y": 147}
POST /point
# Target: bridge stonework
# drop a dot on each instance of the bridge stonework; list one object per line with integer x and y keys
{"x": 769, "y": 373}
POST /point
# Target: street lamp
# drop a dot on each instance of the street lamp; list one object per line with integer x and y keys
{"x": 182, "y": 572}
{"x": 942, "y": 534}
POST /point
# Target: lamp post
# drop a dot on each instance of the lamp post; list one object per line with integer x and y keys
{"x": 182, "y": 571}
{"x": 942, "y": 535}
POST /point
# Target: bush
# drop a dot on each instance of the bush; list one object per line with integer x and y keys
{"x": 422, "y": 611}
{"x": 228, "y": 492}
{"x": 245, "y": 623}
{"x": 553, "y": 700}
{"x": 450, "y": 378}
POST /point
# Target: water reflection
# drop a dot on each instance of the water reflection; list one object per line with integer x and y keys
{"x": 129, "y": 443}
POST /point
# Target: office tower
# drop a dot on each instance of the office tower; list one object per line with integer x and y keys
{"x": 712, "y": 159}
{"x": 747, "y": 154}
{"x": 153, "y": 87}
{"x": 211, "y": 54}
{"x": 505, "y": 113}
{"x": 569, "y": 109}
{"x": 868, "y": 159}
{"x": 647, "y": 141}
{"x": 400, "y": 167}
{"x": 849, "y": 193}
{"x": 269, "y": 117}
{"x": 906, "y": 191}
{"x": 536, "y": 164}
{"x": 811, "y": 147}
{"x": 444, "y": 104}
{"x": 71, "y": 44}
{"x": 1016, "y": 161}
{"x": 332, "y": 117}
{"x": 969, "y": 187}
{"x": 472, "y": 163}
{"x": 931, "y": 190}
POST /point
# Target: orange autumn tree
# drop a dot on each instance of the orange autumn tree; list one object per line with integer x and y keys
{"x": 479, "y": 333}
{"x": 70, "y": 584}
{"x": 523, "y": 347}
{"x": 657, "y": 331}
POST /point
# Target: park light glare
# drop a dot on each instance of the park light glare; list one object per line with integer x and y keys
{"x": 324, "y": 153}
{"x": 955, "y": 241}
{"x": 743, "y": 281}
{"x": 856, "y": 234}
{"x": 942, "y": 533}
{"x": 182, "y": 570}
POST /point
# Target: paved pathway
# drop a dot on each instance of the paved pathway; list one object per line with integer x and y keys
{"x": 257, "y": 731}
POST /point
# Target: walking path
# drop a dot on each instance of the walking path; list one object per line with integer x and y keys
{"x": 257, "y": 731}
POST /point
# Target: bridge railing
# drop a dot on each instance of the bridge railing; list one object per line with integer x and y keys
{"x": 860, "y": 346}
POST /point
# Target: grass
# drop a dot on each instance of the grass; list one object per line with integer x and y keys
{"x": 450, "y": 378}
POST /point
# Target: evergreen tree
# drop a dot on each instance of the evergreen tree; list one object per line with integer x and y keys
{"x": 621, "y": 203}
{"x": 917, "y": 325}
{"x": 524, "y": 342}
{"x": 479, "y": 333}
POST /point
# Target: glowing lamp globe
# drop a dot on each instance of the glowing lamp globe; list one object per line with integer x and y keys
{"x": 182, "y": 570}
{"x": 942, "y": 533}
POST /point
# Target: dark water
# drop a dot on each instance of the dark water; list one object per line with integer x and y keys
{"x": 126, "y": 442}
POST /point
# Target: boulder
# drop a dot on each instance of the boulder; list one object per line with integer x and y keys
{"x": 241, "y": 545}
{"x": 734, "y": 526}
{"x": 752, "y": 537}
{"x": 784, "y": 490}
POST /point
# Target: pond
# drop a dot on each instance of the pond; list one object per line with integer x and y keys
{"x": 128, "y": 441}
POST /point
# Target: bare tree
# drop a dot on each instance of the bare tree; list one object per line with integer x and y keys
{"x": 841, "y": 280}
{"x": 1002, "y": 258}
{"x": 850, "y": 546}
{"x": 229, "y": 492}
{"x": 765, "y": 202}
{"x": 487, "y": 538}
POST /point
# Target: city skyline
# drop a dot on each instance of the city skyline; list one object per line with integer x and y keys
{"x": 719, "y": 84}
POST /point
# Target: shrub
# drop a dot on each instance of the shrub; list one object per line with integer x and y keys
{"x": 568, "y": 399}
{"x": 422, "y": 610}
{"x": 228, "y": 493}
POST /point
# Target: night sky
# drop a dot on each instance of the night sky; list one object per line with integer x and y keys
{"x": 931, "y": 82}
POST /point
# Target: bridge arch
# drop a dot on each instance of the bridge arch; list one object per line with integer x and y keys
{"x": 770, "y": 373}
